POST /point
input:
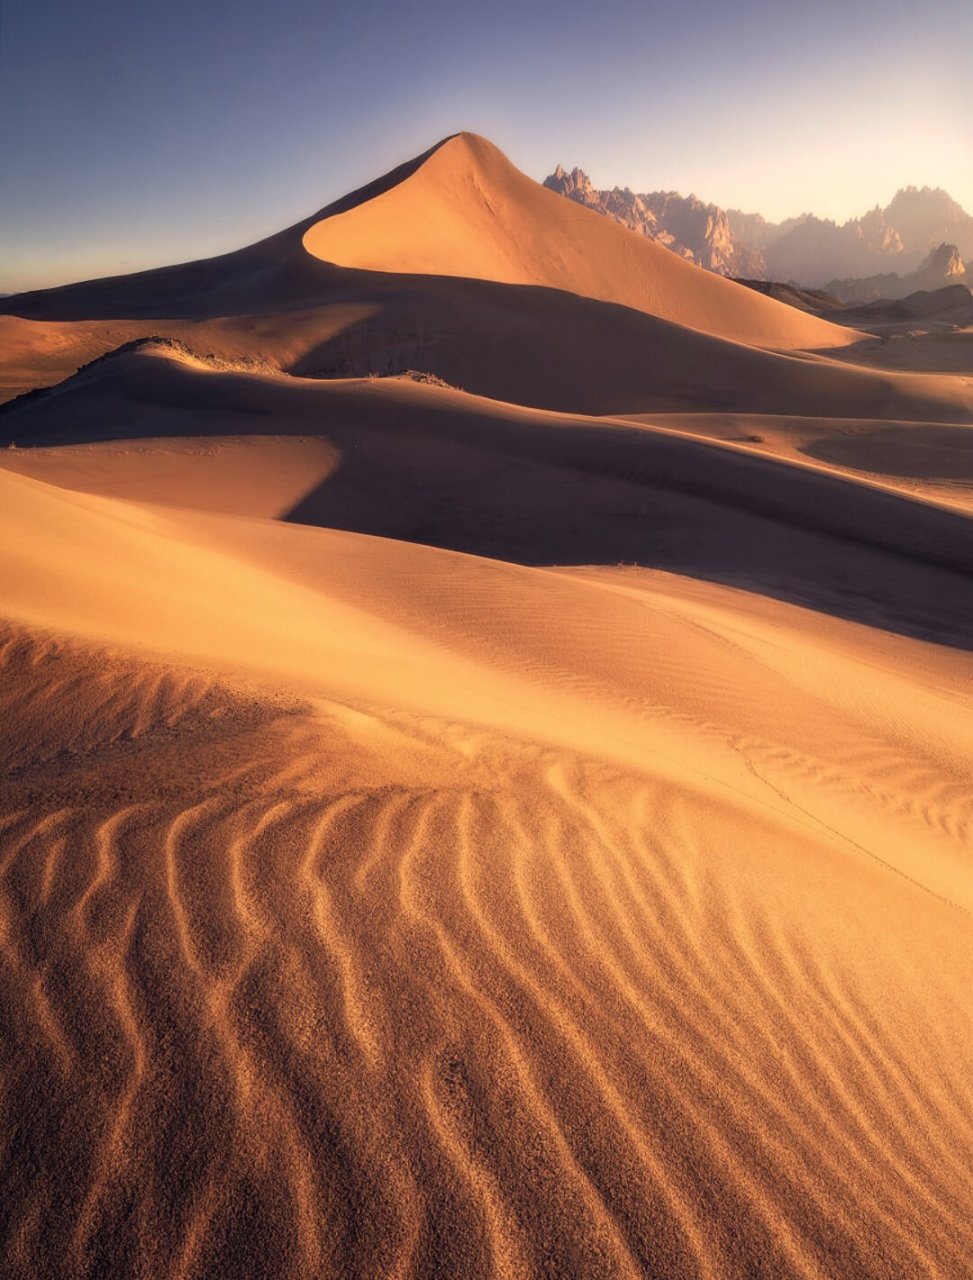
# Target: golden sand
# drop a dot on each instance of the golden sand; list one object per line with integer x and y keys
{"x": 445, "y": 835}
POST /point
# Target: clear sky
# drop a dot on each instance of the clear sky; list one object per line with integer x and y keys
{"x": 134, "y": 134}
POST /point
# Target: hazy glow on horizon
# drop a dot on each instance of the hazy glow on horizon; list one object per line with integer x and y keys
{"x": 132, "y": 139}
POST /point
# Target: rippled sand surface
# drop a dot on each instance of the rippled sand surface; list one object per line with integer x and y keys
{"x": 296, "y": 989}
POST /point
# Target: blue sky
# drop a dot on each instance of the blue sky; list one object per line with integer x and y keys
{"x": 134, "y": 134}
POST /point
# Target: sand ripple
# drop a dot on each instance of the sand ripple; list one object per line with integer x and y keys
{"x": 576, "y": 1022}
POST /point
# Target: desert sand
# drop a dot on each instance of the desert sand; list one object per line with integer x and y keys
{"x": 513, "y": 821}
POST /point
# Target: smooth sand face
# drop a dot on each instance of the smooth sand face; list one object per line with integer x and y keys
{"x": 444, "y": 837}
{"x": 468, "y": 212}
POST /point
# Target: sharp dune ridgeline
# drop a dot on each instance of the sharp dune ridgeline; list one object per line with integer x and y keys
{"x": 487, "y": 737}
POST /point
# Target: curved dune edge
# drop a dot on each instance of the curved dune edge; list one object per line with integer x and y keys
{"x": 467, "y": 212}
{"x": 372, "y": 909}
{"x": 153, "y": 389}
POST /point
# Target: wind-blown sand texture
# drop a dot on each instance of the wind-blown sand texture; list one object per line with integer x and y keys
{"x": 447, "y": 835}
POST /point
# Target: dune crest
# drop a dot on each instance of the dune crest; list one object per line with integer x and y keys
{"x": 466, "y": 211}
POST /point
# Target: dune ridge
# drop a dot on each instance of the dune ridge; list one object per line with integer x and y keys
{"x": 429, "y": 464}
{"x": 537, "y": 301}
{"x": 466, "y": 211}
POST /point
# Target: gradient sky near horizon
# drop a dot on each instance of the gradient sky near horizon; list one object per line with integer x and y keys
{"x": 136, "y": 134}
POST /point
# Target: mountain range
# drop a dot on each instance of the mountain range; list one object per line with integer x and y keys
{"x": 922, "y": 230}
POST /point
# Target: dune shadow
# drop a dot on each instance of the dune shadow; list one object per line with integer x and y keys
{"x": 546, "y": 348}
{"x": 612, "y": 496}
{"x": 425, "y": 465}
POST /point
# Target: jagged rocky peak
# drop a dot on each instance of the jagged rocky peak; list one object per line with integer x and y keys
{"x": 944, "y": 263}
{"x": 818, "y": 249}
{"x": 928, "y": 216}
{"x": 753, "y": 229}
{"x": 874, "y": 230}
{"x": 688, "y": 226}
{"x": 574, "y": 184}
{"x": 620, "y": 204}
{"x": 941, "y": 268}
{"x": 883, "y": 247}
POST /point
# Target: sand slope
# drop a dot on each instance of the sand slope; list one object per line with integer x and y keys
{"x": 518, "y": 344}
{"x": 466, "y": 211}
{"x": 531, "y": 299}
{"x": 457, "y": 265}
{"x": 524, "y": 924}
{"x": 425, "y": 463}
{"x": 459, "y": 833}
{"x": 459, "y": 210}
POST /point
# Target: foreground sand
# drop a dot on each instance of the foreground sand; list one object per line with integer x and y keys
{"x": 444, "y": 837}
{"x": 477, "y": 919}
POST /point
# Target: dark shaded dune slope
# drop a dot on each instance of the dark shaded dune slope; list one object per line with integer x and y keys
{"x": 428, "y": 464}
{"x": 275, "y": 270}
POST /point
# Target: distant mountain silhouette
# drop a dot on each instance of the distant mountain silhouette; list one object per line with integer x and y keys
{"x": 807, "y": 251}
{"x": 942, "y": 267}
{"x": 694, "y": 230}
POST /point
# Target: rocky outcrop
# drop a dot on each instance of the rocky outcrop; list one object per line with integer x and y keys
{"x": 576, "y": 185}
{"x": 697, "y": 231}
{"x": 753, "y": 229}
{"x": 704, "y": 230}
{"x": 816, "y": 249}
{"x": 893, "y": 248}
{"x": 623, "y": 206}
{"x": 942, "y": 267}
{"x": 890, "y": 241}
{"x": 926, "y": 217}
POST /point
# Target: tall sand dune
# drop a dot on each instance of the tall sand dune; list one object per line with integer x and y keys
{"x": 462, "y": 265}
{"x": 466, "y": 211}
{"x": 460, "y": 210}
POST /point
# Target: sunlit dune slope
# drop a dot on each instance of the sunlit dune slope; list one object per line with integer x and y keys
{"x": 473, "y": 919}
{"x": 466, "y": 211}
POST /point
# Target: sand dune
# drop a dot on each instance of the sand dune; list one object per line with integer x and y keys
{"x": 466, "y": 211}
{"x": 424, "y": 463}
{"x": 460, "y": 210}
{"x": 921, "y": 458}
{"x": 469, "y": 832}
{"x": 528, "y": 346}
{"x": 459, "y": 266}
{"x": 614, "y": 897}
